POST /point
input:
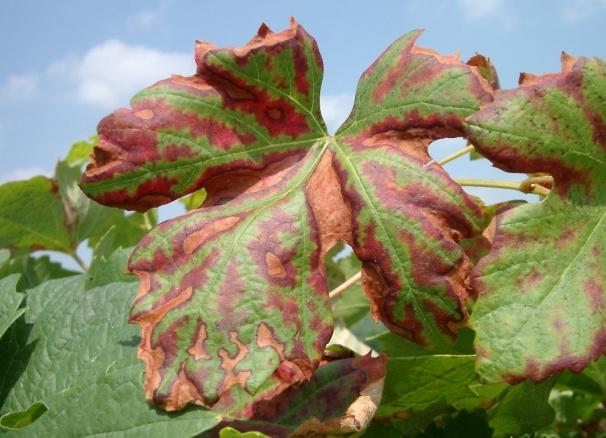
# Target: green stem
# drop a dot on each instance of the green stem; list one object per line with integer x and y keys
{"x": 148, "y": 223}
{"x": 467, "y": 149}
{"x": 80, "y": 262}
{"x": 498, "y": 184}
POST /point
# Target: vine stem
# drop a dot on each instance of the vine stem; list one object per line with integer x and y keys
{"x": 345, "y": 285}
{"x": 80, "y": 262}
{"x": 522, "y": 186}
{"x": 467, "y": 149}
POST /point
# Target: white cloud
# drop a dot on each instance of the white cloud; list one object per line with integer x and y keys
{"x": 578, "y": 10}
{"x": 335, "y": 109}
{"x": 110, "y": 73}
{"x": 19, "y": 87}
{"x": 24, "y": 173}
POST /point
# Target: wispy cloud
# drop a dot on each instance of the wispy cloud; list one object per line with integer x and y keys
{"x": 335, "y": 109}
{"x": 579, "y": 10}
{"x": 108, "y": 74}
{"x": 19, "y": 87}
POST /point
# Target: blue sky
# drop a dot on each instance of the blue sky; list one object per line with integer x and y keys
{"x": 68, "y": 63}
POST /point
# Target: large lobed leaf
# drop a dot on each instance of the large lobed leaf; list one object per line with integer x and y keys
{"x": 75, "y": 353}
{"x": 233, "y": 297}
{"x": 541, "y": 306}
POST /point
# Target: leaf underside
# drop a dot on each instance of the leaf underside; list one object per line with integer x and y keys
{"x": 541, "y": 306}
{"x": 233, "y": 296}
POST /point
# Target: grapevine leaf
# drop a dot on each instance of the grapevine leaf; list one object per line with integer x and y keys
{"x": 76, "y": 353}
{"x": 233, "y": 298}
{"x": 86, "y": 219}
{"x": 80, "y": 151}
{"x": 408, "y": 215}
{"x": 416, "y": 383}
{"x": 10, "y": 300}
{"x": 545, "y": 273}
{"x": 108, "y": 262}
{"x": 523, "y": 409}
{"x": 226, "y": 288}
{"x": 39, "y": 226}
{"x": 243, "y": 109}
{"x": 339, "y": 399}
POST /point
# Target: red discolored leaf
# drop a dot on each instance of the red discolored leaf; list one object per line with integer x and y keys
{"x": 408, "y": 215}
{"x": 243, "y": 109}
{"x": 340, "y": 399}
{"x": 541, "y": 287}
{"x": 233, "y": 302}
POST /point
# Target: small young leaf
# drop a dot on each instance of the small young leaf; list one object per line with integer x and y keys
{"x": 541, "y": 306}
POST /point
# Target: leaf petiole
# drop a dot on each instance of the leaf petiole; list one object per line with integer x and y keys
{"x": 463, "y": 151}
{"x": 522, "y": 186}
{"x": 80, "y": 262}
{"x": 345, "y": 285}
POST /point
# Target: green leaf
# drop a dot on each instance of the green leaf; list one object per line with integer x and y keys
{"x": 19, "y": 419}
{"x": 5, "y": 254}
{"x": 416, "y": 383}
{"x": 80, "y": 151}
{"x": 571, "y": 408}
{"x": 39, "y": 226}
{"x": 108, "y": 264}
{"x": 542, "y": 287}
{"x": 233, "y": 295}
{"x": 76, "y": 353}
{"x": 10, "y": 300}
{"x": 230, "y": 432}
{"x": 463, "y": 425}
{"x": 193, "y": 200}
{"x": 524, "y": 408}
{"x": 86, "y": 219}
